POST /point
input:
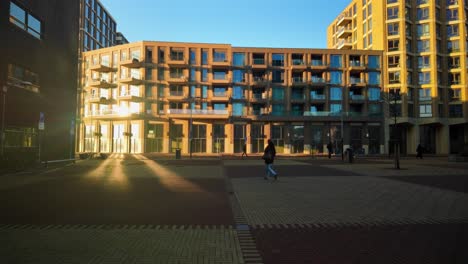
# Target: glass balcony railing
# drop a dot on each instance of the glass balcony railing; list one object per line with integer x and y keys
{"x": 357, "y": 97}
{"x": 317, "y": 96}
{"x": 298, "y": 80}
{"x": 318, "y": 80}
{"x": 298, "y": 62}
{"x": 298, "y": 96}
{"x": 258, "y": 61}
{"x": 176, "y": 93}
{"x": 356, "y": 80}
{"x": 317, "y": 63}
{"x": 356, "y": 64}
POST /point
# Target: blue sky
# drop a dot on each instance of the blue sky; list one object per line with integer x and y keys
{"x": 244, "y": 23}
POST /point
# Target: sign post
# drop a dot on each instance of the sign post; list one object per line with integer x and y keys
{"x": 41, "y": 127}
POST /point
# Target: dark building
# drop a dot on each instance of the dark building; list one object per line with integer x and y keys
{"x": 98, "y": 26}
{"x": 38, "y": 73}
{"x": 120, "y": 39}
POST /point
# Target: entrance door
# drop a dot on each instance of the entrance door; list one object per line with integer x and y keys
{"x": 218, "y": 138}
{"x": 335, "y": 139}
{"x": 239, "y": 137}
{"x": 176, "y": 134}
{"x": 257, "y": 138}
{"x": 135, "y": 140}
{"x": 297, "y": 139}
{"x": 154, "y": 141}
{"x": 317, "y": 139}
{"x": 427, "y": 135}
{"x": 356, "y": 140}
{"x": 199, "y": 138}
{"x": 277, "y": 136}
{"x": 118, "y": 140}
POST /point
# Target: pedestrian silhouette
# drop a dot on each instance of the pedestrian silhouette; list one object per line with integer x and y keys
{"x": 269, "y": 157}
{"x": 419, "y": 151}
{"x": 244, "y": 148}
{"x": 330, "y": 149}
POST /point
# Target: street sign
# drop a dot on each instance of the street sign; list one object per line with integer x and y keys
{"x": 41, "y": 121}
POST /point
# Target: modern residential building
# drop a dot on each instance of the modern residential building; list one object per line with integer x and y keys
{"x": 214, "y": 98}
{"x": 97, "y": 27}
{"x": 425, "y": 67}
{"x": 120, "y": 39}
{"x": 38, "y": 75}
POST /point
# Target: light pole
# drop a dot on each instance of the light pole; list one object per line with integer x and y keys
{"x": 5, "y": 89}
{"x": 396, "y": 145}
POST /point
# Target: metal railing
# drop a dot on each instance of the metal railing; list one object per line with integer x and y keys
{"x": 197, "y": 112}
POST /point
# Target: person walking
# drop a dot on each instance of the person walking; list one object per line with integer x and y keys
{"x": 269, "y": 156}
{"x": 419, "y": 151}
{"x": 330, "y": 149}
{"x": 244, "y": 148}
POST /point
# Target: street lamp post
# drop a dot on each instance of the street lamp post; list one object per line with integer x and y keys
{"x": 5, "y": 89}
{"x": 396, "y": 145}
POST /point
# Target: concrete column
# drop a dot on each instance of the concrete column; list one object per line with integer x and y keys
{"x": 248, "y": 129}
{"x": 209, "y": 138}
{"x": 185, "y": 139}
{"x": 229, "y": 141}
{"x": 413, "y": 139}
{"x": 443, "y": 140}
{"x": 166, "y": 139}
{"x": 384, "y": 147}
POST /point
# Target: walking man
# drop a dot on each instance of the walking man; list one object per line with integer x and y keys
{"x": 244, "y": 148}
{"x": 419, "y": 151}
{"x": 269, "y": 156}
{"x": 330, "y": 149}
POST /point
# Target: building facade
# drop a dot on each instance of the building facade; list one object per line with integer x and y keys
{"x": 120, "y": 39}
{"x": 214, "y": 98}
{"x": 38, "y": 75}
{"x": 98, "y": 28}
{"x": 425, "y": 67}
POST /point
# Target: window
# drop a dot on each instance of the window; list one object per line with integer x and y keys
{"x": 454, "y": 78}
{"x": 392, "y": 1}
{"x": 193, "y": 57}
{"x": 238, "y": 59}
{"x": 452, "y": 14}
{"x": 336, "y": 61}
{"x": 278, "y": 76}
{"x": 193, "y": 74}
{"x": 422, "y": 30}
{"x": 423, "y": 46}
{"x": 393, "y": 45}
{"x": 278, "y": 60}
{"x": 456, "y": 110}
{"x": 204, "y": 57}
{"x": 424, "y": 62}
{"x": 422, "y": 13}
{"x": 374, "y": 94}
{"x": 373, "y": 62}
{"x": 24, "y": 75}
{"x": 394, "y": 77}
{"x": 238, "y": 75}
{"x": 219, "y": 75}
{"x": 219, "y": 56}
{"x": 394, "y": 61}
{"x": 25, "y": 21}
{"x": 219, "y": 91}
{"x": 238, "y": 92}
{"x": 393, "y": 29}
{"x": 335, "y": 93}
{"x": 425, "y": 110}
{"x": 374, "y": 78}
{"x": 336, "y": 77}
{"x": 335, "y": 108}
{"x": 453, "y": 46}
{"x": 204, "y": 75}
{"x": 452, "y": 30}
{"x": 392, "y": 12}
{"x": 424, "y": 77}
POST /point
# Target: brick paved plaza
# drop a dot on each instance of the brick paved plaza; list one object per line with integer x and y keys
{"x": 138, "y": 209}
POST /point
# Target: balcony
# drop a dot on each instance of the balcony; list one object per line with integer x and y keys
{"x": 177, "y": 79}
{"x": 259, "y": 97}
{"x": 130, "y": 98}
{"x": 258, "y": 112}
{"x": 102, "y": 68}
{"x": 100, "y": 100}
{"x": 318, "y": 65}
{"x": 344, "y": 44}
{"x": 132, "y": 80}
{"x": 260, "y": 80}
{"x": 298, "y": 64}
{"x": 344, "y": 32}
{"x": 425, "y": 98}
{"x": 198, "y": 113}
{"x": 357, "y": 97}
{"x": 220, "y": 80}
{"x": 318, "y": 81}
{"x": 176, "y": 96}
{"x": 258, "y": 63}
{"x": 132, "y": 63}
{"x": 356, "y": 66}
{"x": 177, "y": 60}
{"x": 111, "y": 113}
{"x": 317, "y": 113}
{"x": 220, "y": 97}
{"x": 101, "y": 83}
{"x": 298, "y": 81}
{"x": 298, "y": 97}
{"x": 314, "y": 96}
{"x": 220, "y": 63}
{"x": 353, "y": 81}
{"x": 343, "y": 20}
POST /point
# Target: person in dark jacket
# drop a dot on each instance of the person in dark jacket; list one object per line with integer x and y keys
{"x": 419, "y": 151}
{"x": 269, "y": 157}
{"x": 330, "y": 149}
{"x": 244, "y": 148}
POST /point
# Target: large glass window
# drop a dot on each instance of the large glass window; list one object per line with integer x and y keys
{"x": 422, "y": 30}
{"x": 393, "y": 29}
{"x": 373, "y": 62}
{"x": 336, "y": 77}
{"x": 219, "y": 56}
{"x": 28, "y": 22}
{"x": 238, "y": 59}
{"x": 335, "y": 108}
{"x": 278, "y": 76}
{"x": 336, "y": 93}
{"x": 278, "y": 93}
{"x": 374, "y": 94}
{"x": 238, "y": 75}
{"x": 237, "y": 109}
{"x": 278, "y": 59}
{"x": 374, "y": 78}
{"x": 422, "y": 13}
{"x": 453, "y": 30}
{"x": 336, "y": 61}
{"x": 392, "y": 12}
{"x": 238, "y": 92}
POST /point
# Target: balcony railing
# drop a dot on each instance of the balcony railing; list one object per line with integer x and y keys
{"x": 298, "y": 62}
{"x": 317, "y": 96}
{"x": 356, "y": 80}
{"x": 357, "y": 97}
{"x": 176, "y": 93}
{"x": 298, "y": 96}
{"x": 317, "y": 63}
{"x": 258, "y": 61}
{"x": 425, "y": 98}
{"x": 298, "y": 80}
{"x": 318, "y": 80}
{"x": 260, "y": 96}
{"x": 197, "y": 112}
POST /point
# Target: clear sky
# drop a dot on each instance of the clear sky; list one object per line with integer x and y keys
{"x": 244, "y": 23}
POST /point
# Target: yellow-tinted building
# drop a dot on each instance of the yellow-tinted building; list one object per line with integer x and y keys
{"x": 214, "y": 98}
{"x": 425, "y": 65}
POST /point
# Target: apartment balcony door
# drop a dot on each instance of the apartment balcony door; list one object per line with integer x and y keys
{"x": 277, "y": 136}
{"x": 176, "y": 135}
{"x": 104, "y": 139}
{"x": 218, "y": 138}
{"x": 89, "y": 139}
{"x": 135, "y": 139}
